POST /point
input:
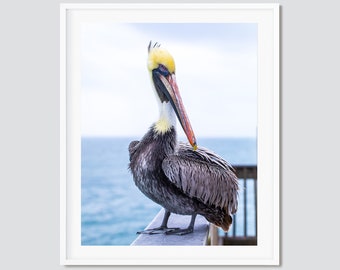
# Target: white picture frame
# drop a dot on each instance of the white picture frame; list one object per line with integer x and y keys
{"x": 267, "y": 251}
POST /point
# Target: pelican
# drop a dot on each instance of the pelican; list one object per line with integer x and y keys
{"x": 181, "y": 177}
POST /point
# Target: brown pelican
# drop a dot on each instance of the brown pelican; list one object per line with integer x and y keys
{"x": 184, "y": 179}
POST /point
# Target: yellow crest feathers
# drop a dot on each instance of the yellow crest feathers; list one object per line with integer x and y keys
{"x": 157, "y": 56}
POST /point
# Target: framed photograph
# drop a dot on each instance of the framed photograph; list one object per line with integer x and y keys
{"x": 118, "y": 62}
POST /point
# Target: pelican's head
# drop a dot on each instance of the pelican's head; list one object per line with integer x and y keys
{"x": 161, "y": 66}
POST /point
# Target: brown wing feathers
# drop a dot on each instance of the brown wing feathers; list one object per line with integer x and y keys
{"x": 203, "y": 175}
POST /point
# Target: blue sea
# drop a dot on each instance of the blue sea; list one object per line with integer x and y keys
{"x": 112, "y": 207}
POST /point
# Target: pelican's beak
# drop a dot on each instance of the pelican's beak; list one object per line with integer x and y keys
{"x": 170, "y": 89}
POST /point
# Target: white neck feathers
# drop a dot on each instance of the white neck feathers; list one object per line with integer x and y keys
{"x": 167, "y": 118}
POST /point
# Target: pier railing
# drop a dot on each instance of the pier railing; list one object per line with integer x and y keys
{"x": 242, "y": 232}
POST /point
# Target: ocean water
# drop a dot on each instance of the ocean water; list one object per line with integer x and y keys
{"x": 112, "y": 207}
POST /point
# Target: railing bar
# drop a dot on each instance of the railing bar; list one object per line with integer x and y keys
{"x": 245, "y": 206}
{"x": 234, "y": 225}
{"x": 255, "y": 196}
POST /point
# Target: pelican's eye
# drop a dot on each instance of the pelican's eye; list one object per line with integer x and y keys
{"x": 163, "y": 70}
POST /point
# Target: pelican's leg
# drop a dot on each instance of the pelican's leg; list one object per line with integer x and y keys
{"x": 190, "y": 228}
{"x": 163, "y": 228}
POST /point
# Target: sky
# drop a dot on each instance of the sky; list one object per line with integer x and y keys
{"x": 216, "y": 72}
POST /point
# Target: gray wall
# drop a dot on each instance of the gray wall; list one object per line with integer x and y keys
{"x": 29, "y": 115}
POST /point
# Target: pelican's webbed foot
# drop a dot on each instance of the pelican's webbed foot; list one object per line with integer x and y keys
{"x": 158, "y": 230}
{"x": 181, "y": 231}
{"x": 163, "y": 229}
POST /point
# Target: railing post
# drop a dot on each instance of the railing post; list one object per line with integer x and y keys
{"x": 213, "y": 232}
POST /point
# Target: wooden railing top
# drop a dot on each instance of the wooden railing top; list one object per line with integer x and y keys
{"x": 246, "y": 171}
